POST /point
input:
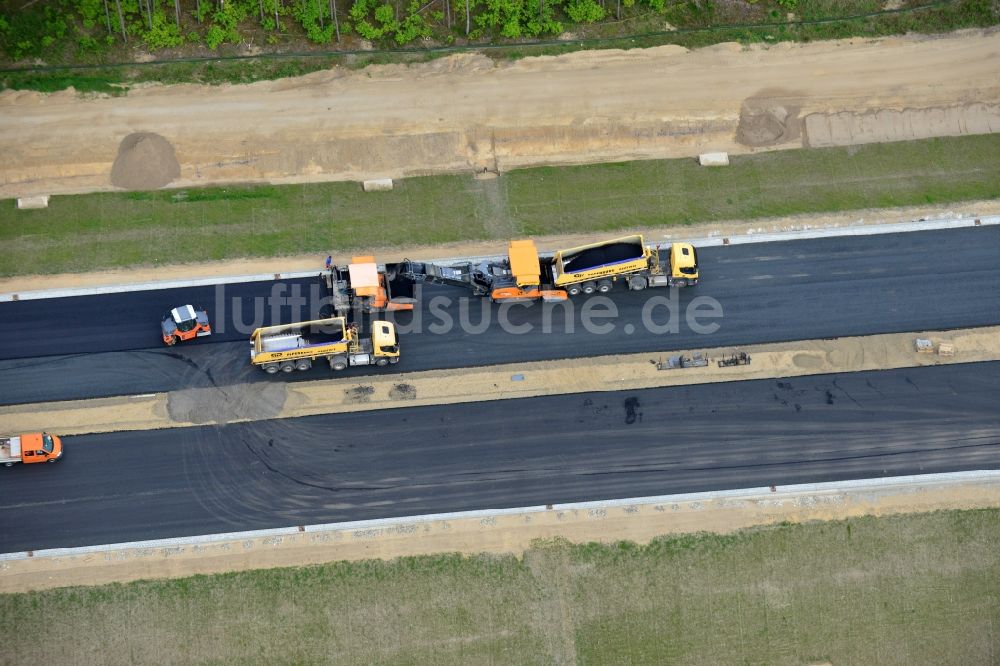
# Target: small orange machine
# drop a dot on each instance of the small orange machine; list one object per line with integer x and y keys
{"x": 184, "y": 323}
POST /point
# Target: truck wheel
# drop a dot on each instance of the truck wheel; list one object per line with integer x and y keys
{"x": 381, "y": 362}
{"x": 338, "y": 363}
{"x": 8, "y": 464}
{"x": 637, "y": 283}
{"x": 287, "y": 366}
{"x": 270, "y": 368}
{"x": 604, "y": 286}
{"x": 589, "y": 288}
{"x": 573, "y": 290}
{"x": 303, "y": 364}
{"x": 681, "y": 283}
{"x": 394, "y": 360}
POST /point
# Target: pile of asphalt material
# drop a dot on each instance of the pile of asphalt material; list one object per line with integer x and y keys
{"x": 600, "y": 256}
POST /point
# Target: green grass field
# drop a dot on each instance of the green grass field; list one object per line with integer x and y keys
{"x": 918, "y": 589}
{"x": 97, "y": 231}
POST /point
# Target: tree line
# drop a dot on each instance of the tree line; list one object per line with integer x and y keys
{"x": 39, "y": 28}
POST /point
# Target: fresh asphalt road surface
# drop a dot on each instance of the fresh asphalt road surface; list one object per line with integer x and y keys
{"x": 140, "y": 485}
{"x": 70, "y": 348}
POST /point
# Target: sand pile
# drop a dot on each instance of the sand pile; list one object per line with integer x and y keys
{"x": 768, "y": 119}
{"x": 146, "y": 161}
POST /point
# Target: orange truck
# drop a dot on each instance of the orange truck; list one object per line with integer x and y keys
{"x": 34, "y": 447}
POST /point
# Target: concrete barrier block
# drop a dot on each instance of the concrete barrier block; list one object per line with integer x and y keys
{"x": 378, "y": 185}
{"x": 713, "y": 159}
{"x": 40, "y": 201}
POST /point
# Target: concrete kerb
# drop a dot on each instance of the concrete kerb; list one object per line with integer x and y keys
{"x": 858, "y": 230}
{"x": 713, "y": 240}
{"x": 360, "y": 527}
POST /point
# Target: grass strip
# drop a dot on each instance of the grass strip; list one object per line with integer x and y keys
{"x": 82, "y": 233}
{"x": 912, "y": 589}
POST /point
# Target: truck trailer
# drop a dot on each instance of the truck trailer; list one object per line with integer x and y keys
{"x": 289, "y": 347}
{"x": 36, "y": 447}
{"x": 526, "y": 275}
{"x": 595, "y": 267}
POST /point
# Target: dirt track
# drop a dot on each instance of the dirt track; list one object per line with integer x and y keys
{"x": 466, "y": 112}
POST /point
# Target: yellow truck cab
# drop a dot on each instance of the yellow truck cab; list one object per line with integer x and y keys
{"x": 34, "y": 447}
{"x": 289, "y": 347}
{"x": 683, "y": 264}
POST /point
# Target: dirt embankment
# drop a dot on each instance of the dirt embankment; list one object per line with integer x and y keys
{"x": 466, "y": 112}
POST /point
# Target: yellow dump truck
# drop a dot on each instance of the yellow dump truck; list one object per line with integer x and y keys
{"x": 289, "y": 347}
{"x": 595, "y": 267}
{"x": 527, "y": 275}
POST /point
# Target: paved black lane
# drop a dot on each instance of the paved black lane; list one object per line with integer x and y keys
{"x": 61, "y": 349}
{"x": 130, "y": 486}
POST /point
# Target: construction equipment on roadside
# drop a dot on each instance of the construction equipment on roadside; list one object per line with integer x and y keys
{"x": 677, "y": 362}
{"x": 526, "y": 275}
{"x": 184, "y": 323}
{"x": 739, "y": 358}
{"x": 289, "y": 347}
{"x": 35, "y": 447}
{"x": 364, "y": 286}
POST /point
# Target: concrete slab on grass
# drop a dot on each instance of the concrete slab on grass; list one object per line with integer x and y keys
{"x": 27, "y": 203}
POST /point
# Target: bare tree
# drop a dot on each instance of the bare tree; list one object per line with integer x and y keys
{"x": 107, "y": 15}
{"x": 277, "y": 25}
{"x": 468, "y": 19}
{"x": 121, "y": 20}
{"x": 447, "y": 12}
{"x": 260, "y": 4}
{"x": 197, "y": 8}
{"x": 177, "y": 12}
{"x": 321, "y": 25}
{"x": 336, "y": 23}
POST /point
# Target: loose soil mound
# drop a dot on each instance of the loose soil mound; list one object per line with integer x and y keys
{"x": 767, "y": 119}
{"x": 146, "y": 161}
